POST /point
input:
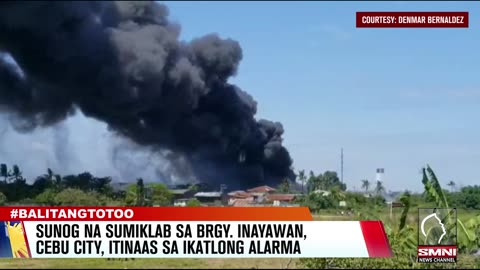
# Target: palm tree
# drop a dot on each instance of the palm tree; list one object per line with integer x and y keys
{"x": 140, "y": 192}
{"x": 311, "y": 182}
{"x": 302, "y": 177}
{"x": 15, "y": 174}
{"x": 379, "y": 188}
{"x": 49, "y": 174}
{"x": 451, "y": 184}
{"x": 53, "y": 180}
{"x": 4, "y": 171}
{"x": 57, "y": 181}
{"x": 366, "y": 185}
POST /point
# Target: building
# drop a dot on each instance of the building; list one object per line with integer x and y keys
{"x": 182, "y": 193}
{"x": 281, "y": 198}
{"x": 380, "y": 174}
{"x": 238, "y": 197}
{"x": 239, "y": 194}
{"x": 181, "y": 196}
{"x": 181, "y": 202}
{"x": 241, "y": 202}
{"x": 210, "y": 197}
{"x": 261, "y": 190}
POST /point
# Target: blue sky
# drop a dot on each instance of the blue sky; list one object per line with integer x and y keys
{"x": 392, "y": 98}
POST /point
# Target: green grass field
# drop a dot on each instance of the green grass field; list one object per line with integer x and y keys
{"x": 387, "y": 217}
{"x": 198, "y": 263}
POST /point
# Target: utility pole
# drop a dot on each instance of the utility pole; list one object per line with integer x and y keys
{"x": 341, "y": 165}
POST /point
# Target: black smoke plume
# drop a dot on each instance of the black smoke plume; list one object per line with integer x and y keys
{"x": 123, "y": 63}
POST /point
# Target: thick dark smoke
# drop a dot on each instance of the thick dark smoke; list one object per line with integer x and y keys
{"x": 122, "y": 63}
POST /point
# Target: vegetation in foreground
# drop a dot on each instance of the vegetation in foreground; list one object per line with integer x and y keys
{"x": 403, "y": 237}
{"x": 401, "y": 225}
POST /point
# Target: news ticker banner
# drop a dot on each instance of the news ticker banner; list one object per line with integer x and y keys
{"x": 184, "y": 232}
{"x": 415, "y": 19}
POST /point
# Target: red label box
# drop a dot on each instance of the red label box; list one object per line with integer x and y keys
{"x": 412, "y": 19}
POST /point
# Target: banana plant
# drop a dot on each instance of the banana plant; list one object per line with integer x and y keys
{"x": 467, "y": 232}
{"x": 404, "y": 237}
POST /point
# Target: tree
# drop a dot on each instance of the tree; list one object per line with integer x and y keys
{"x": 135, "y": 193}
{"x": 403, "y": 241}
{"x": 468, "y": 197}
{"x": 194, "y": 202}
{"x": 337, "y": 194}
{"x": 4, "y": 172}
{"x": 379, "y": 188}
{"x": 451, "y": 184}
{"x": 131, "y": 195}
{"x": 140, "y": 192}
{"x": 46, "y": 181}
{"x": 366, "y": 184}
{"x": 70, "y": 181}
{"x": 3, "y": 199}
{"x": 49, "y": 174}
{"x": 15, "y": 174}
{"x": 47, "y": 197}
{"x": 56, "y": 179}
{"x": 302, "y": 177}
{"x": 325, "y": 181}
{"x": 41, "y": 183}
{"x": 102, "y": 185}
{"x": 316, "y": 202}
{"x": 76, "y": 197}
{"x": 330, "y": 179}
{"x": 160, "y": 194}
{"x": 85, "y": 181}
{"x": 312, "y": 182}
{"x": 284, "y": 187}
{"x": 19, "y": 189}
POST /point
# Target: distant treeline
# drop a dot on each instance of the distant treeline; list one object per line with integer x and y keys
{"x": 81, "y": 189}
{"x": 87, "y": 189}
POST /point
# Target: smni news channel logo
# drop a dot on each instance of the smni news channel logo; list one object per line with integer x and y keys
{"x": 437, "y": 235}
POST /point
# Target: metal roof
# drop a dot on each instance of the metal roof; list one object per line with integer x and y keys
{"x": 261, "y": 189}
{"x": 208, "y": 194}
{"x": 179, "y": 191}
{"x": 240, "y": 194}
